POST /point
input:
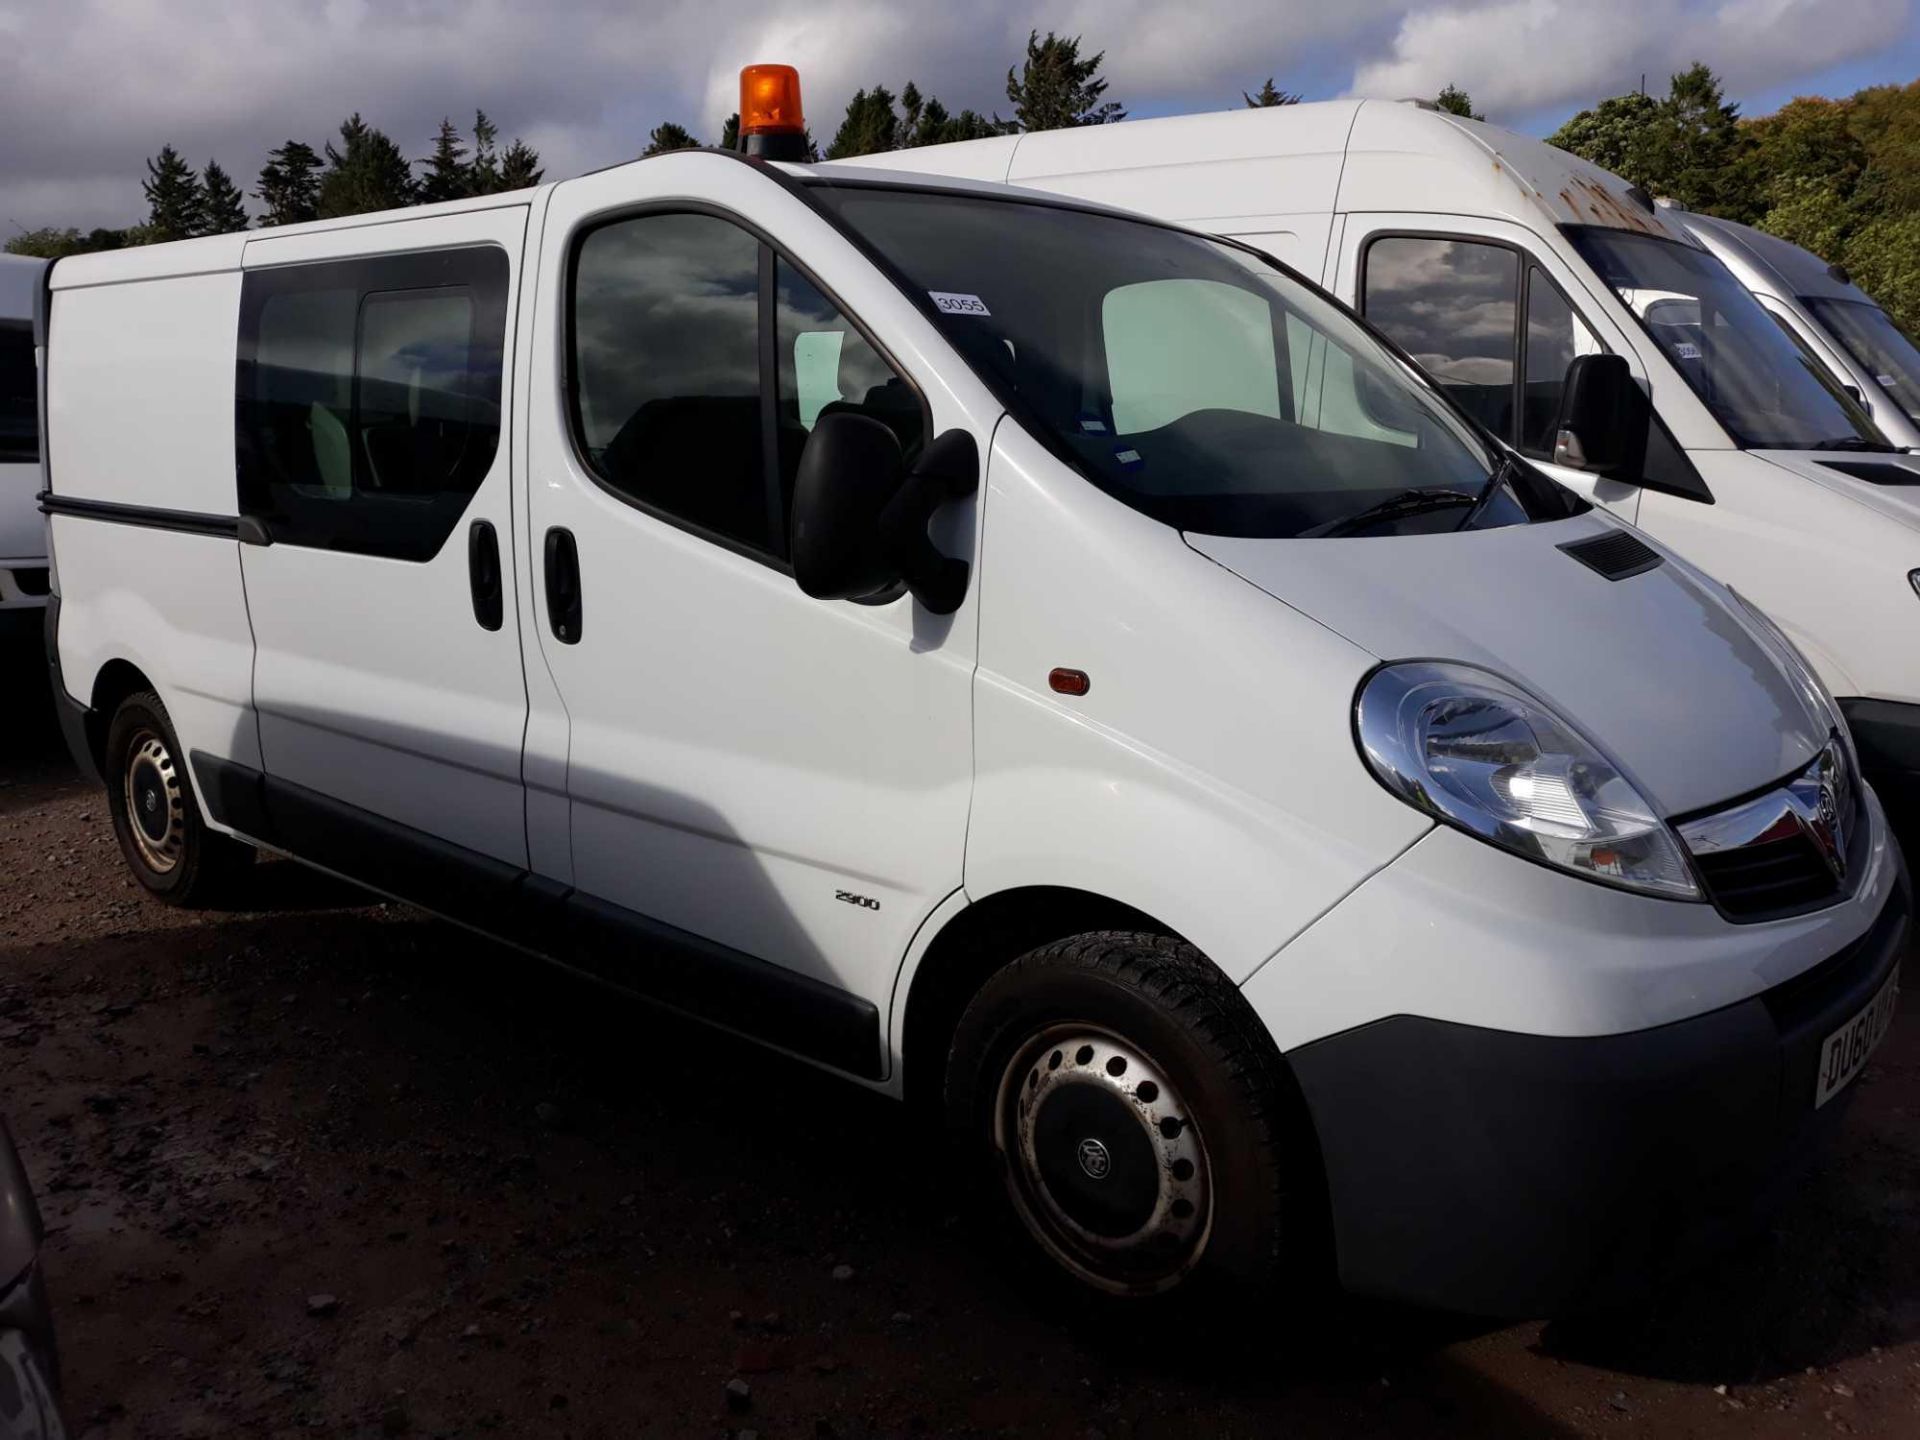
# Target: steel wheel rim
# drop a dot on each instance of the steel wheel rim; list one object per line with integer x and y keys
{"x": 155, "y": 803}
{"x": 1141, "y": 1243}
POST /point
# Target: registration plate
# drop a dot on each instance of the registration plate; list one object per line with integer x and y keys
{"x": 1846, "y": 1051}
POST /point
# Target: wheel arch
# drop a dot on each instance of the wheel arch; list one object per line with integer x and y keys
{"x": 971, "y": 945}
{"x": 115, "y": 681}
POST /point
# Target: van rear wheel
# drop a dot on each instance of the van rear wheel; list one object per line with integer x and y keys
{"x": 1139, "y": 1126}
{"x": 162, "y": 833}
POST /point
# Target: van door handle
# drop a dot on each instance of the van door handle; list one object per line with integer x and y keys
{"x": 483, "y": 572}
{"x": 563, "y": 586}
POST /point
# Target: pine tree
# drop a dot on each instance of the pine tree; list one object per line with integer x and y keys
{"x": 1056, "y": 89}
{"x": 1456, "y": 101}
{"x": 483, "y": 174}
{"x": 224, "y": 208}
{"x": 669, "y": 136}
{"x": 730, "y": 132}
{"x": 446, "y": 167}
{"x": 176, "y": 203}
{"x": 289, "y": 185}
{"x": 1692, "y": 148}
{"x": 1267, "y": 96}
{"x": 870, "y": 125}
{"x": 368, "y": 173}
{"x": 520, "y": 167}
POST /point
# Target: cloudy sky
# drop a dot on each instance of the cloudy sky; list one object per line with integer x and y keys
{"x": 88, "y": 88}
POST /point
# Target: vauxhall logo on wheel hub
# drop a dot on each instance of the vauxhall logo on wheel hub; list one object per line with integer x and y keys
{"x": 1094, "y": 1159}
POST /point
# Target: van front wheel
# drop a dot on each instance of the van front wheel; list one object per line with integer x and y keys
{"x": 165, "y": 839}
{"x": 1136, "y": 1116}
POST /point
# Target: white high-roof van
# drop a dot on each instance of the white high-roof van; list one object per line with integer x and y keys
{"x": 1828, "y": 316}
{"x": 1019, "y": 655}
{"x": 23, "y": 538}
{"x": 1499, "y": 261}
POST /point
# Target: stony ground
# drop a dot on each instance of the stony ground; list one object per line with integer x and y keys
{"x": 333, "y": 1167}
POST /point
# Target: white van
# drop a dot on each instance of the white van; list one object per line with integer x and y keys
{"x": 1830, "y": 318}
{"x": 969, "y": 640}
{"x": 1504, "y": 265}
{"x": 23, "y": 542}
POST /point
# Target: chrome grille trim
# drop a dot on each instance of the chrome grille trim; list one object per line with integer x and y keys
{"x": 1783, "y": 852}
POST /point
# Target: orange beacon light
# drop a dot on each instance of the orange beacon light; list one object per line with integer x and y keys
{"x": 772, "y": 125}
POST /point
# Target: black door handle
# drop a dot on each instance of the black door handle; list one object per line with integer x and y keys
{"x": 483, "y": 572}
{"x": 563, "y": 586}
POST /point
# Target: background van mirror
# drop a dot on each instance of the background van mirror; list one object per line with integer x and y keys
{"x": 1603, "y": 419}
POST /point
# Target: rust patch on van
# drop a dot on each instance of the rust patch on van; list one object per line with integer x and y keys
{"x": 1596, "y": 203}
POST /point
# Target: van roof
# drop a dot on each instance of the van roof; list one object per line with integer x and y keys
{"x": 1231, "y": 170}
{"x": 211, "y": 254}
{"x": 1792, "y": 270}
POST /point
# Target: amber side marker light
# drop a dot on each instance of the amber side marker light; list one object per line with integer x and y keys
{"x": 1070, "y": 682}
{"x": 772, "y": 124}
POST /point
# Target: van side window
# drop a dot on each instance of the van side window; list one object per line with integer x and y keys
{"x": 666, "y": 369}
{"x": 826, "y": 366}
{"x": 19, "y": 396}
{"x": 369, "y": 398}
{"x": 1451, "y": 304}
{"x": 1555, "y": 335}
{"x": 673, "y": 392}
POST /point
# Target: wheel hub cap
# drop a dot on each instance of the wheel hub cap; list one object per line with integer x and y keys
{"x": 156, "y": 805}
{"x": 1104, "y": 1162}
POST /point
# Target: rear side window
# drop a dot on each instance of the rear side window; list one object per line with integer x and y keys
{"x": 368, "y": 408}
{"x": 701, "y": 361}
{"x": 19, "y": 396}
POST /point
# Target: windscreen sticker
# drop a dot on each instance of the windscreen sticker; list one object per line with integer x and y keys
{"x": 1093, "y": 424}
{"x": 1128, "y": 456}
{"x": 1687, "y": 350}
{"x": 949, "y": 303}
{"x": 1886, "y": 380}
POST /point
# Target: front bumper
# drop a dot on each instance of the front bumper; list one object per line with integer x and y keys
{"x": 1887, "y": 735}
{"x": 1509, "y": 1174}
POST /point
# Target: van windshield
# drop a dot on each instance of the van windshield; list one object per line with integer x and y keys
{"x": 1766, "y": 393}
{"x": 1877, "y": 346}
{"x": 1189, "y": 379}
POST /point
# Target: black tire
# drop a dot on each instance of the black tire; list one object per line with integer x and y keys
{"x": 1214, "y": 1172}
{"x": 162, "y": 833}
{"x": 27, "y": 1407}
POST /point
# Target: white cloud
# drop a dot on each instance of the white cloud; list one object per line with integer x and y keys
{"x": 90, "y": 88}
{"x": 1515, "y": 56}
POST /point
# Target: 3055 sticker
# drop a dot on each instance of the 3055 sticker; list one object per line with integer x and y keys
{"x": 948, "y": 303}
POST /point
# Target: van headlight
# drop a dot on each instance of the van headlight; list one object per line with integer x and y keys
{"x": 1478, "y": 752}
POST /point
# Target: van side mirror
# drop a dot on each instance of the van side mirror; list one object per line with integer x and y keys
{"x": 860, "y": 516}
{"x": 1603, "y": 419}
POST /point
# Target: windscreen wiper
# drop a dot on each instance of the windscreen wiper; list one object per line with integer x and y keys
{"x": 1853, "y": 442}
{"x": 1394, "y": 507}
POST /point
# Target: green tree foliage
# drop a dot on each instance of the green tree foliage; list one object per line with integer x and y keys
{"x": 1883, "y": 259}
{"x": 1456, "y": 101}
{"x": 872, "y": 124}
{"x": 176, "y": 202}
{"x": 869, "y": 126}
{"x": 366, "y": 172}
{"x": 445, "y": 170}
{"x": 224, "y": 208}
{"x": 1694, "y": 150}
{"x": 520, "y": 167}
{"x": 669, "y": 136}
{"x": 1267, "y": 96}
{"x": 1056, "y": 90}
{"x": 289, "y": 185}
{"x": 1609, "y": 134}
{"x": 483, "y": 175}
{"x": 730, "y": 132}
{"x": 50, "y": 243}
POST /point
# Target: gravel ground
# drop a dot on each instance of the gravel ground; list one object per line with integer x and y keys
{"x": 333, "y": 1166}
